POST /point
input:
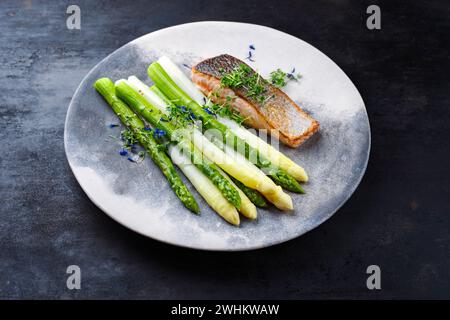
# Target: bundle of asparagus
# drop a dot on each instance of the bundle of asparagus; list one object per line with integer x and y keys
{"x": 106, "y": 88}
{"x": 220, "y": 168}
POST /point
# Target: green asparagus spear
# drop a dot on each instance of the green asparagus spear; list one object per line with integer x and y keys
{"x": 175, "y": 94}
{"x": 157, "y": 119}
{"x": 254, "y": 196}
{"x": 106, "y": 88}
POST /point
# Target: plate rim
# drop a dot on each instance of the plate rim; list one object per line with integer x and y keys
{"x": 231, "y": 249}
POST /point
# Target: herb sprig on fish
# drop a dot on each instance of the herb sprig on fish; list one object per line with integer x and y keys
{"x": 243, "y": 77}
{"x": 224, "y": 110}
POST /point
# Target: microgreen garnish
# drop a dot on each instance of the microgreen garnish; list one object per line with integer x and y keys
{"x": 224, "y": 110}
{"x": 243, "y": 77}
{"x": 279, "y": 78}
{"x": 180, "y": 115}
{"x": 128, "y": 138}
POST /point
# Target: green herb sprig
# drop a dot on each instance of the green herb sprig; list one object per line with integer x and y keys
{"x": 128, "y": 138}
{"x": 243, "y": 77}
{"x": 180, "y": 115}
{"x": 225, "y": 109}
{"x": 279, "y": 78}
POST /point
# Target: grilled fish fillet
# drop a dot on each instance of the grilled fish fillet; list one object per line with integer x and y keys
{"x": 278, "y": 114}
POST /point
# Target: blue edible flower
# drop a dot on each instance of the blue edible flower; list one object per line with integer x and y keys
{"x": 208, "y": 111}
{"x": 123, "y": 152}
{"x": 252, "y": 47}
{"x": 249, "y": 57}
{"x": 112, "y": 125}
{"x": 131, "y": 159}
{"x": 158, "y": 133}
{"x": 147, "y": 129}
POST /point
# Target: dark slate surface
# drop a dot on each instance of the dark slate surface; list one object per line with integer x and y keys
{"x": 398, "y": 218}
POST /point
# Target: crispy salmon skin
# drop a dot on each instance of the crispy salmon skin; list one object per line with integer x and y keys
{"x": 276, "y": 112}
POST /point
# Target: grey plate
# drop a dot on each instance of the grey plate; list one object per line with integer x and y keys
{"x": 137, "y": 195}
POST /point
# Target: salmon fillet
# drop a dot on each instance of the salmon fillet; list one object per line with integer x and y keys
{"x": 278, "y": 114}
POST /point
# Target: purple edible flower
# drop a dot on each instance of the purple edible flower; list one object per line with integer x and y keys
{"x": 147, "y": 129}
{"x": 291, "y": 75}
{"x": 250, "y": 57}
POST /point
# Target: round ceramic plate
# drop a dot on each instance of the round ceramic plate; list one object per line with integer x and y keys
{"x": 138, "y": 196}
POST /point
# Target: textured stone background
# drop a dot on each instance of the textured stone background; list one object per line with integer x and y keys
{"x": 398, "y": 218}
